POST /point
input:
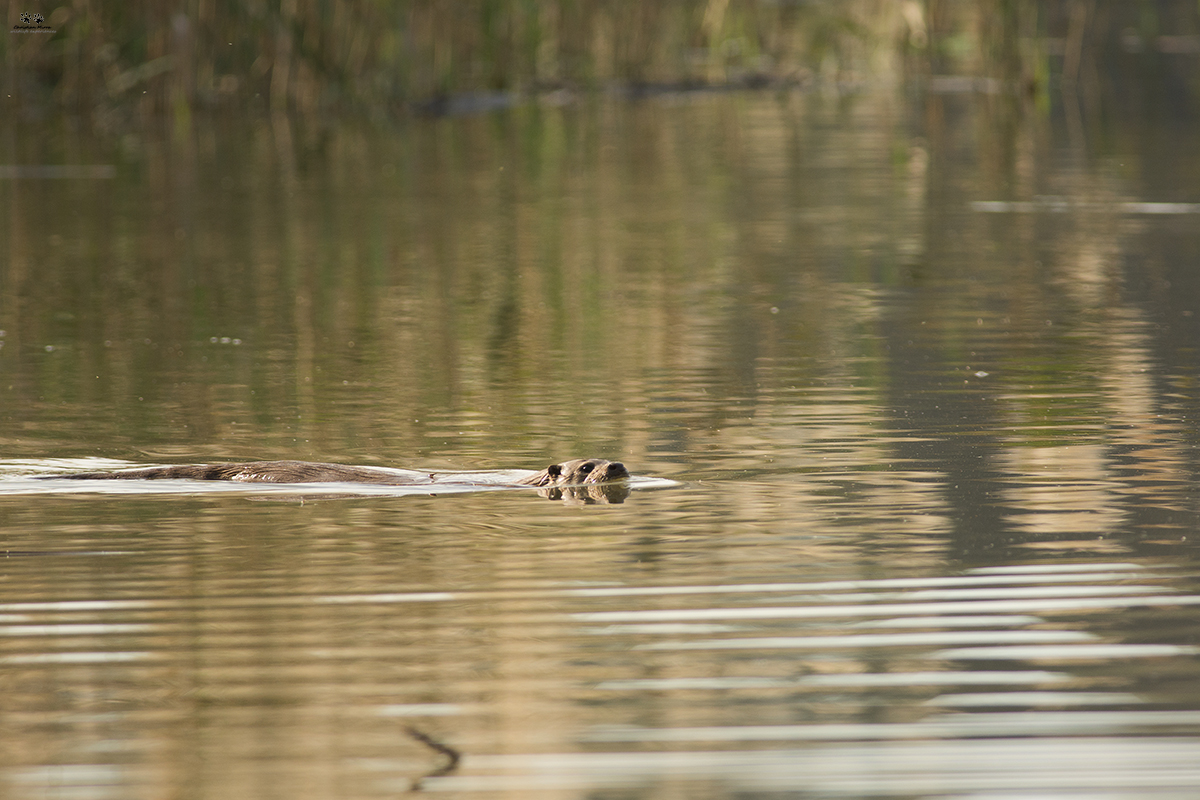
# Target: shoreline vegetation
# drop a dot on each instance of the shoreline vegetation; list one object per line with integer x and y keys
{"x": 122, "y": 63}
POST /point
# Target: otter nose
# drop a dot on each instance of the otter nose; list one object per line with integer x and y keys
{"x": 617, "y": 466}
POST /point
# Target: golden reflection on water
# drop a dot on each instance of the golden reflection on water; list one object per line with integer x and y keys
{"x": 216, "y": 641}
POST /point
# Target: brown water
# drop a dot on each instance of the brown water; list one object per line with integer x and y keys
{"x": 923, "y": 370}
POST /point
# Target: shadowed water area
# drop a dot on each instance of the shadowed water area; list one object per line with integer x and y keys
{"x": 907, "y": 383}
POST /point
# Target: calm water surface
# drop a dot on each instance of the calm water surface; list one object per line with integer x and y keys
{"x": 923, "y": 370}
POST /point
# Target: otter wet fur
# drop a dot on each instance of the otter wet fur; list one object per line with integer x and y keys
{"x": 578, "y": 472}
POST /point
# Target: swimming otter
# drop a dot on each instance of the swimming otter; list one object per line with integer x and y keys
{"x": 569, "y": 473}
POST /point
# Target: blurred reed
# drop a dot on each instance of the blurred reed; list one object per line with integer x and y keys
{"x": 313, "y": 57}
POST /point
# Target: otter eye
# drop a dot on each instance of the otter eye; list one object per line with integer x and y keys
{"x": 585, "y": 467}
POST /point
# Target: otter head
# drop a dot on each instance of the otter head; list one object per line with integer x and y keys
{"x": 579, "y": 472}
{"x": 584, "y": 480}
{"x": 585, "y": 470}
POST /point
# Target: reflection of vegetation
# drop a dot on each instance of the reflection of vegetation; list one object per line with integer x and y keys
{"x": 619, "y": 277}
{"x": 307, "y": 56}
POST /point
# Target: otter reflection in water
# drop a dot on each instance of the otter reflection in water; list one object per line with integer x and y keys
{"x": 583, "y": 480}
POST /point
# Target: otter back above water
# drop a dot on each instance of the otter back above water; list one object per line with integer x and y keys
{"x": 585, "y": 479}
{"x": 568, "y": 473}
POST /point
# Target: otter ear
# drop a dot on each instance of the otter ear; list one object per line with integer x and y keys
{"x": 554, "y": 470}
